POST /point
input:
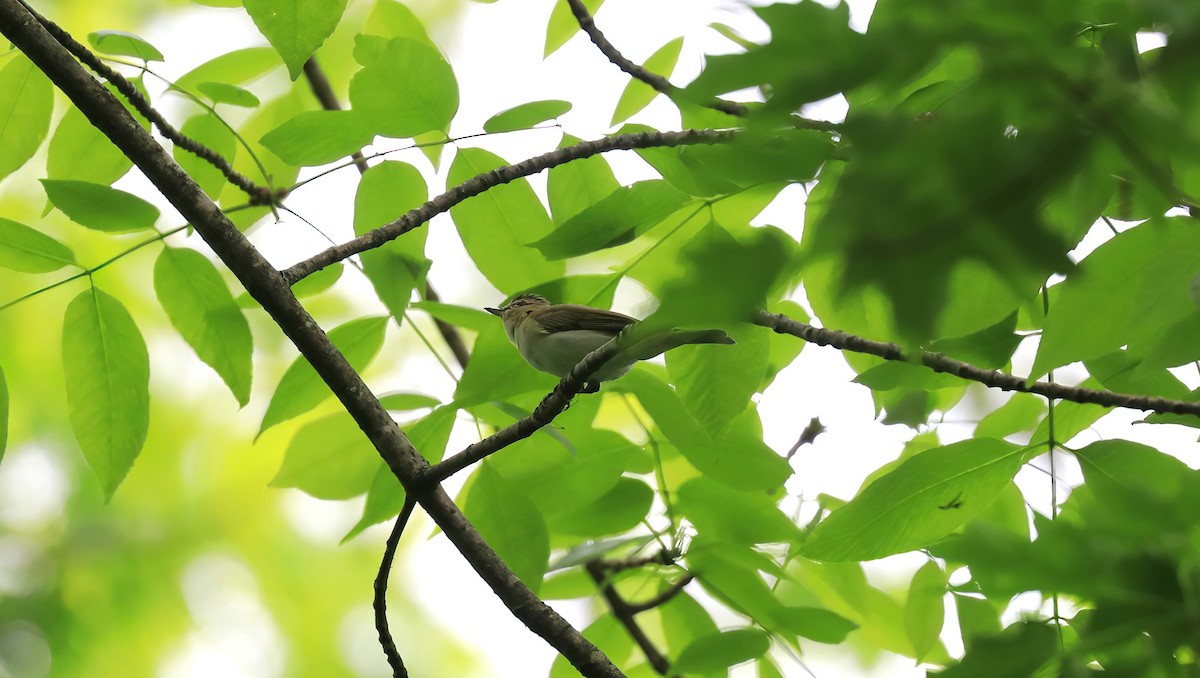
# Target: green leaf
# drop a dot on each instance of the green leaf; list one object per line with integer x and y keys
{"x": 387, "y": 191}
{"x": 1022, "y": 649}
{"x": 525, "y": 116}
{"x": 607, "y": 634}
{"x": 26, "y": 103}
{"x": 301, "y": 389}
{"x": 715, "y": 382}
{"x": 235, "y": 68}
{"x": 497, "y": 371}
{"x": 637, "y": 94}
{"x": 1021, "y": 412}
{"x": 925, "y": 610}
{"x": 29, "y": 251}
{"x": 1108, "y": 303}
{"x": 3, "y": 414}
{"x": 620, "y": 509}
{"x": 225, "y": 93}
{"x": 977, "y": 618}
{"x": 405, "y": 87}
{"x": 319, "y": 137}
{"x": 108, "y": 377}
{"x": 563, "y": 25}
{"x": 496, "y": 225}
{"x": 617, "y": 219}
{"x": 473, "y": 319}
{"x": 558, "y": 480}
{"x": 817, "y": 624}
{"x": 391, "y": 19}
{"x": 295, "y": 28}
{"x": 385, "y": 497}
{"x": 579, "y": 184}
{"x": 124, "y": 44}
{"x": 310, "y": 286}
{"x": 741, "y": 517}
{"x": 895, "y": 374}
{"x": 207, "y": 129}
{"x": 206, "y": 315}
{"x": 100, "y": 207}
{"x": 721, "y": 650}
{"x": 329, "y": 458}
{"x": 921, "y": 501}
{"x": 510, "y": 523}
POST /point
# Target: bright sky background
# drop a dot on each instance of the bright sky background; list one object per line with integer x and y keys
{"x": 495, "y": 50}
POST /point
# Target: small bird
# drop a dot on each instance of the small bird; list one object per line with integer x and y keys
{"x": 555, "y": 337}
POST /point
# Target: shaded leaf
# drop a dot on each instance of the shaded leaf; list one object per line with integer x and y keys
{"x": 124, "y": 44}
{"x": 510, "y": 523}
{"x": 577, "y": 185}
{"x": 722, "y": 650}
{"x": 741, "y": 517}
{"x": 207, "y": 129}
{"x": 100, "y": 207}
{"x": 108, "y": 375}
{"x": 924, "y": 612}
{"x": 615, "y": 220}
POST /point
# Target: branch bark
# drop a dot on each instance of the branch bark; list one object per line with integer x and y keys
{"x": 937, "y": 362}
{"x": 496, "y": 177}
{"x": 267, "y": 286}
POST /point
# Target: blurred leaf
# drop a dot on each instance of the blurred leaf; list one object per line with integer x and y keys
{"x": 741, "y": 517}
{"x": 607, "y": 634}
{"x": 818, "y": 624}
{"x": 1104, "y": 305}
{"x": 301, "y": 389}
{"x": 319, "y": 137}
{"x": 463, "y": 316}
{"x": 121, "y": 43}
{"x": 4, "y": 414}
{"x": 563, "y": 25}
{"x": 496, "y": 225}
{"x": 29, "y": 251}
{"x": 108, "y": 377}
{"x": 637, "y": 94}
{"x": 558, "y": 480}
{"x": 783, "y": 349}
{"x": 579, "y": 184}
{"x": 225, "y": 93}
{"x": 924, "y": 613}
{"x": 896, "y": 374}
{"x": 205, "y": 314}
{"x": 206, "y": 129}
{"x": 989, "y": 348}
{"x": 403, "y": 402}
{"x": 26, "y": 103}
{"x": 1020, "y": 650}
{"x": 977, "y": 618}
{"x": 922, "y": 501}
{"x": 81, "y": 152}
{"x": 100, "y": 207}
{"x": 497, "y": 372}
{"x": 391, "y": 19}
{"x": 405, "y": 87}
{"x": 295, "y": 28}
{"x": 592, "y": 550}
{"x": 525, "y": 116}
{"x": 722, "y": 650}
{"x": 237, "y": 67}
{"x": 1020, "y": 412}
{"x": 615, "y": 220}
{"x": 310, "y": 286}
{"x": 510, "y": 523}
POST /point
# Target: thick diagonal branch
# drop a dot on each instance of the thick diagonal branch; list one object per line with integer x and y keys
{"x": 273, "y": 292}
{"x": 496, "y": 177}
{"x": 940, "y": 363}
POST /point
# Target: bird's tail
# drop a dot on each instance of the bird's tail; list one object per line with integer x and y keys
{"x": 661, "y": 343}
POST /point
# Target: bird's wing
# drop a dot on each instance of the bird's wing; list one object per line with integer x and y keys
{"x": 575, "y": 317}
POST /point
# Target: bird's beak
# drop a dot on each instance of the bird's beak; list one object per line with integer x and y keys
{"x": 495, "y": 311}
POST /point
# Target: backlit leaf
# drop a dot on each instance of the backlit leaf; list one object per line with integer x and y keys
{"x": 295, "y": 28}
{"x": 26, "y": 102}
{"x": 29, "y": 251}
{"x": 100, "y": 207}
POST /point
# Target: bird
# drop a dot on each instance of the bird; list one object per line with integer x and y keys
{"x": 553, "y": 338}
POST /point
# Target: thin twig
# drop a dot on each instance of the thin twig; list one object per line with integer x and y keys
{"x": 656, "y": 81}
{"x": 496, "y": 177}
{"x": 259, "y": 195}
{"x": 624, "y": 614}
{"x": 662, "y": 598}
{"x": 381, "y": 582}
{"x": 807, "y": 436}
{"x": 940, "y": 363}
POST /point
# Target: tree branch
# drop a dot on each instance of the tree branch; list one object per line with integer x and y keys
{"x": 496, "y": 177}
{"x": 940, "y": 363}
{"x": 324, "y": 93}
{"x": 273, "y": 292}
{"x": 662, "y": 598}
{"x": 381, "y": 582}
{"x": 259, "y": 195}
{"x": 656, "y": 81}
